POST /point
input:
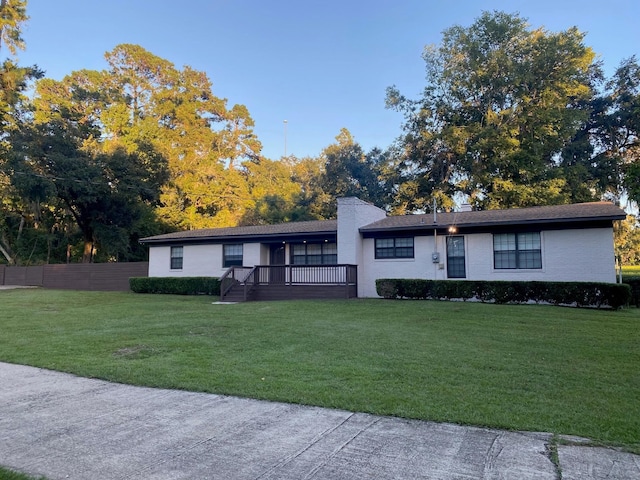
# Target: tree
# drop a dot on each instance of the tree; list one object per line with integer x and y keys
{"x": 13, "y": 14}
{"x": 64, "y": 155}
{"x": 272, "y": 191}
{"x": 236, "y": 141}
{"x": 501, "y": 103}
{"x": 349, "y": 172}
{"x": 627, "y": 241}
{"x": 171, "y": 121}
{"x": 203, "y": 141}
{"x": 16, "y": 215}
{"x": 10, "y": 220}
{"x": 286, "y": 190}
{"x": 103, "y": 191}
{"x": 617, "y": 133}
{"x": 14, "y": 80}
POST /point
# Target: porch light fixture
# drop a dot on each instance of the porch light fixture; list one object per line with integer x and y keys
{"x": 453, "y": 229}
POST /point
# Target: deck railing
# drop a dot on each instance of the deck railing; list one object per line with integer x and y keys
{"x": 306, "y": 274}
{"x": 246, "y": 279}
{"x": 236, "y": 276}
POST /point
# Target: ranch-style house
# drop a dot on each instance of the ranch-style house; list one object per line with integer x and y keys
{"x": 344, "y": 257}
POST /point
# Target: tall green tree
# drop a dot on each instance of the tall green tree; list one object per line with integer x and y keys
{"x": 204, "y": 142}
{"x": 19, "y": 219}
{"x": 273, "y": 192}
{"x": 104, "y": 191}
{"x": 627, "y": 241}
{"x": 14, "y": 80}
{"x": 157, "y": 112}
{"x": 350, "y": 172}
{"x": 64, "y": 155}
{"x": 501, "y": 102}
{"x": 308, "y": 172}
{"x": 617, "y": 133}
{"x": 603, "y": 159}
{"x": 13, "y": 15}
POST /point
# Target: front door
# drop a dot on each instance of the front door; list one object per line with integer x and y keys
{"x": 277, "y": 269}
{"x": 456, "y": 257}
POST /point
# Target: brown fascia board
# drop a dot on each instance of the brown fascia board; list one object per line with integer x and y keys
{"x": 424, "y": 226}
{"x": 267, "y": 233}
{"x": 253, "y": 237}
{"x": 427, "y": 229}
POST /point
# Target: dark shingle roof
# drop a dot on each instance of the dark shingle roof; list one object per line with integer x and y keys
{"x": 577, "y": 212}
{"x": 281, "y": 229}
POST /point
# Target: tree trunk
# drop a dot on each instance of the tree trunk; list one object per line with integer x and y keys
{"x": 7, "y": 254}
{"x": 87, "y": 254}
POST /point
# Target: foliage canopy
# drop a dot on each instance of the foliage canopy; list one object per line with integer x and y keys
{"x": 513, "y": 116}
{"x": 509, "y": 116}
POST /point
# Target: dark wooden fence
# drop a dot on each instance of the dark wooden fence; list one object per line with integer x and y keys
{"x": 75, "y": 276}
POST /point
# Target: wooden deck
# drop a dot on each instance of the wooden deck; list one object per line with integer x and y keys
{"x": 288, "y": 282}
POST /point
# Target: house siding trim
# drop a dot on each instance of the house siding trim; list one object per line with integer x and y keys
{"x": 331, "y": 236}
{"x": 443, "y": 230}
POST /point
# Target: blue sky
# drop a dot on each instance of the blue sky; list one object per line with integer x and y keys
{"x": 320, "y": 65}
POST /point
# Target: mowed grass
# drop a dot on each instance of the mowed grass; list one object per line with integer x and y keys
{"x": 7, "y": 474}
{"x": 535, "y": 368}
{"x": 631, "y": 270}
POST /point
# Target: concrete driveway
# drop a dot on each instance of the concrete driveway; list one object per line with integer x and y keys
{"x": 66, "y": 427}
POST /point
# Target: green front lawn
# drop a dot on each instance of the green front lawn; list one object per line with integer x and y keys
{"x": 631, "y": 270}
{"x": 7, "y": 474}
{"x": 536, "y": 368}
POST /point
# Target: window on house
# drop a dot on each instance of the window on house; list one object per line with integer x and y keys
{"x": 176, "y": 258}
{"x": 394, "y": 247}
{"x": 517, "y": 251}
{"x": 455, "y": 257}
{"x": 314, "y": 253}
{"x": 232, "y": 255}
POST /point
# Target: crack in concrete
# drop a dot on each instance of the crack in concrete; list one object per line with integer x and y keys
{"x": 554, "y": 457}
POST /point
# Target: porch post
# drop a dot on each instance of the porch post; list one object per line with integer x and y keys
{"x": 346, "y": 280}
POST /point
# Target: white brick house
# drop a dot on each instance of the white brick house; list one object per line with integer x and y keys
{"x": 554, "y": 243}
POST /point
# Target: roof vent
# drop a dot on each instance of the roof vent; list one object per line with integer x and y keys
{"x": 465, "y": 207}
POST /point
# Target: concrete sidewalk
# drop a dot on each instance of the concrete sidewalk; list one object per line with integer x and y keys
{"x": 66, "y": 427}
